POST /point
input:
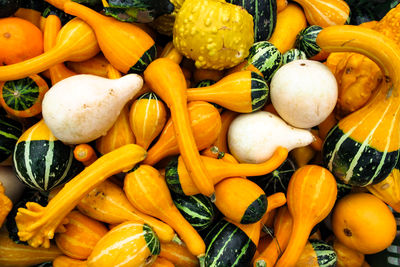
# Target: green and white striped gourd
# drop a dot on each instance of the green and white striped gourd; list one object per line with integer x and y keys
{"x": 10, "y": 131}
{"x": 293, "y": 54}
{"x": 317, "y": 253}
{"x": 306, "y": 40}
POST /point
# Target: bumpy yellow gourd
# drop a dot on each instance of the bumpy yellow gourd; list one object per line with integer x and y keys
{"x": 214, "y": 33}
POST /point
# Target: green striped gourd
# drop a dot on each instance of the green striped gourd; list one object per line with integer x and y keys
{"x": 317, "y": 253}
{"x": 197, "y": 210}
{"x": 264, "y": 16}
{"x": 228, "y": 245}
{"x": 293, "y": 54}
{"x": 10, "y": 131}
{"x": 363, "y": 147}
{"x": 43, "y": 162}
{"x": 306, "y": 40}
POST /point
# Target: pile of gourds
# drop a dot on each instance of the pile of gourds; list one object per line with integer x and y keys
{"x": 197, "y": 133}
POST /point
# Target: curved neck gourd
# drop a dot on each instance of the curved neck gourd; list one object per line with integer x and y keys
{"x": 76, "y": 41}
{"x": 363, "y": 147}
{"x": 243, "y": 91}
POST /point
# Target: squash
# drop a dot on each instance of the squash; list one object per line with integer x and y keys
{"x": 178, "y": 254}
{"x": 81, "y": 235}
{"x": 179, "y": 179}
{"x": 118, "y": 135}
{"x": 147, "y": 117}
{"x": 96, "y": 65}
{"x": 23, "y": 97}
{"x": 6, "y": 205}
{"x": 171, "y": 52}
{"x": 128, "y": 244}
{"x": 108, "y": 203}
{"x": 355, "y": 150}
{"x": 52, "y": 10}
{"x": 302, "y": 155}
{"x": 207, "y": 74}
{"x": 166, "y": 79}
{"x": 311, "y": 196}
{"x": 349, "y": 223}
{"x": 308, "y": 97}
{"x": 205, "y": 122}
{"x": 161, "y": 262}
{"x": 306, "y": 40}
{"x": 289, "y": 22}
{"x": 41, "y": 161}
{"x": 147, "y": 190}
{"x": 58, "y": 72}
{"x": 85, "y": 154}
{"x": 83, "y": 107}
{"x": 227, "y": 117}
{"x": 388, "y": 190}
{"x": 293, "y": 54}
{"x": 19, "y": 255}
{"x": 317, "y": 253}
{"x": 326, "y": 13}
{"x": 243, "y": 91}
{"x": 10, "y": 131}
{"x": 76, "y": 41}
{"x": 264, "y": 16}
{"x": 197, "y": 37}
{"x": 253, "y": 137}
{"x": 30, "y": 10}
{"x": 36, "y": 224}
{"x": 198, "y": 210}
{"x": 387, "y": 25}
{"x": 20, "y": 40}
{"x": 240, "y": 200}
{"x": 64, "y": 261}
{"x": 136, "y": 51}
{"x": 347, "y": 257}
{"x": 281, "y": 5}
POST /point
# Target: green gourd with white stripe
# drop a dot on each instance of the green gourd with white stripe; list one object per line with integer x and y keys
{"x": 306, "y": 40}
{"x": 41, "y": 161}
{"x": 317, "y": 253}
{"x": 264, "y": 16}
{"x": 198, "y": 210}
{"x": 228, "y": 245}
{"x": 293, "y": 54}
{"x": 363, "y": 147}
{"x": 10, "y": 131}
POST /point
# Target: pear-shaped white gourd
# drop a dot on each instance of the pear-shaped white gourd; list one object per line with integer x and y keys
{"x": 83, "y": 107}
{"x": 253, "y": 137}
{"x": 304, "y": 92}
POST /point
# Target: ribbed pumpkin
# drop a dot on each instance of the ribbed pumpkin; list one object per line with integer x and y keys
{"x": 43, "y": 162}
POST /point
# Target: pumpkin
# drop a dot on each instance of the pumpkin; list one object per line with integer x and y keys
{"x": 349, "y": 223}
{"x": 220, "y": 49}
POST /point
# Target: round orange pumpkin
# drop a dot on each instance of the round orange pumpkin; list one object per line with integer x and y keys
{"x": 19, "y": 40}
{"x": 363, "y": 222}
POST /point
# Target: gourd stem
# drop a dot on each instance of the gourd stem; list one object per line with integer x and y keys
{"x": 177, "y": 240}
{"x": 202, "y": 260}
{"x": 261, "y": 263}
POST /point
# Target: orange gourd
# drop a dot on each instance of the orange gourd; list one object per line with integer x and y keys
{"x": 58, "y": 71}
{"x": 282, "y": 228}
{"x": 363, "y": 222}
{"x": 161, "y": 262}
{"x": 207, "y": 74}
{"x": 127, "y": 47}
{"x": 325, "y": 13}
{"x": 64, "y": 261}
{"x": 166, "y": 79}
{"x": 30, "y": 15}
{"x": 76, "y": 41}
{"x": 281, "y": 5}
{"x": 179, "y": 179}
{"x": 5, "y": 204}
{"x": 147, "y": 117}
{"x": 85, "y": 154}
{"x": 178, "y": 254}
{"x": 171, "y": 52}
{"x": 311, "y": 195}
{"x": 227, "y": 117}
{"x": 81, "y": 235}
{"x": 19, "y": 40}
{"x": 147, "y": 191}
{"x": 205, "y": 122}
{"x": 242, "y": 91}
{"x": 96, "y": 65}
{"x": 347, "y": 257}
{"x": 37, "y": 224}
{"x": 130, "y": 244}
{"x": 108, "y": 203}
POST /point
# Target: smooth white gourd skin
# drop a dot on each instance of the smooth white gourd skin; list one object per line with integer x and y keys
{"x": 12, "y": 185}
{"x": 304, "y": 93}
{"x": 254, "y": 137}
{"x": 84, "y": 107}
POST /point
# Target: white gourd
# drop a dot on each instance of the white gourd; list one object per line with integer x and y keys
{"x": 253, "y": 137}
{"x": 84, "y": 107}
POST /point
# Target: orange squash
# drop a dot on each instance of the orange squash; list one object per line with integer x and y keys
{"x": 227, "y": 117}
{"x": 162, "y": 262}
{"x": 171, "y": 52}
{"x": 96, "y": 65}
{"x": 108, "y": 203}
{"x": 58, "y": 72}
{"x": 19, "y": 40}
{"x": 178, "y": 254}
{"x": 207, "y": 74}
{"x": 205, "y": 122}
{"x": 363, "y": 222}
{"x": 64, "y": 261}
{"x": 76, "y": 41}
{"x": 127, "y": 47}
{"x": 147, "y": 117}
{"x": 5, "y": 204}
{"x": 281, "y": 5}
{"x": 311, "y": 195}
{"x": 81, "y": 235}
{"x": 85, "y": 154}
{"x": 347, "y": 257}
{"x": 147, "y": 191}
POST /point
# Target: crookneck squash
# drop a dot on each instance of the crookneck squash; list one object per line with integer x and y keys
{"x": 363, "y": 147}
